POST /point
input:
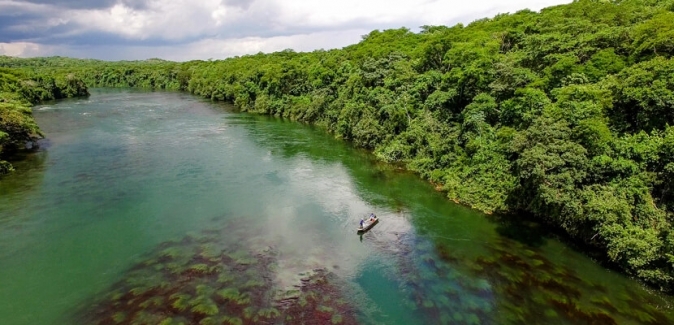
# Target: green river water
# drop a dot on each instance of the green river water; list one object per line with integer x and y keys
{"x": 161, "y": 208}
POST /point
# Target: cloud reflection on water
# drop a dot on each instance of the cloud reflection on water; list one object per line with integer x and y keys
{"x": 317, "y": 196}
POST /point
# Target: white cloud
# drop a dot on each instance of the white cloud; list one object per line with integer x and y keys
{"x": 217, "y": 48}
{"x": 321, "y": 13}
{"x": 25, "y": 49}
{"x": 11, "y": 8}
{"x": 163, "y": 19}
{"x": 221, "y": 28}
{"x": 212, "y": 48}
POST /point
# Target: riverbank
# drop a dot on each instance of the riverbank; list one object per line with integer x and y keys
{"x": 19, "y": 91}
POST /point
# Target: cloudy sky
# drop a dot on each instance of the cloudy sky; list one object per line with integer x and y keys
{"x": 201, "y": 29}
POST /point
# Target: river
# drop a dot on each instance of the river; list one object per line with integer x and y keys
{"x": 160, "y": 207}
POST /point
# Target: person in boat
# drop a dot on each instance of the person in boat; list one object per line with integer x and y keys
{"x": 361, "y": 222}
{"x": 372, "y": 217}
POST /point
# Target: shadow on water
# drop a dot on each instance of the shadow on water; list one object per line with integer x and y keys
{"x": 524, "y": 231}
{"x": 527, "y": 231}
{"x": 16, "y": 188}
{"x": 18, "y": 191}
{"x": 512, "y": 283}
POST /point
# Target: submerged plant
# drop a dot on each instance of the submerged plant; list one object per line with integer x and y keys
{"x": 213, "y": 279}
{"x": 513, "y": 283}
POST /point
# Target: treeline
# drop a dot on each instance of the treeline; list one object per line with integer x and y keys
{"x": 19, "y": 90}
{"x": 564, "y": 114}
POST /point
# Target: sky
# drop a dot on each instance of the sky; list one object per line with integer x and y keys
{"x": 182, "y": 30}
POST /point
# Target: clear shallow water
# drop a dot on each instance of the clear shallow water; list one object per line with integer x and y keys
{"x": 125, "y": 174}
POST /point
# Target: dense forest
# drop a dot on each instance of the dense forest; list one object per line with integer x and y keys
{"x": 19, "y": 90}
{"x": 564, "y": 114}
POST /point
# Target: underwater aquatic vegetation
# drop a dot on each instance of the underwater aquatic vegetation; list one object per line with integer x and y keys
{"x": 214, "y": 279}
{"x": 336, "y": 319}
{"x": 221, "y": 320}
{"x": 248, "y": 312}
{"x": 253, "y": 283}
{"x": 172, "y": 252}
{"x": 173, "y": 321}
{"x": 205, "y": 306}
{"x": 508, "y": 283}
{"x": 269, "y": 312}
{"x": 224, "y": 277}
{"x": 152, "y": 302}
{"x": 181, "y": 301}
{"x": 210, "y": 251}
{"x": 229, "y": 294}
{"x": 137, "y": 291}
{"x": 146, "y": 318}
{"x": 119, "y": 317}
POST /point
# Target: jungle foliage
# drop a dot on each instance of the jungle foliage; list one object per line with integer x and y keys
{"x": 19, "y": 90}
{"x": 565, "y": 114}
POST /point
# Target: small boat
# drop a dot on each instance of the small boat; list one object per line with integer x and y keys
{"x": 367, "y": 225}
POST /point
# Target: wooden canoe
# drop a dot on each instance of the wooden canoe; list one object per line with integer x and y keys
{"x": 367, "y": 225}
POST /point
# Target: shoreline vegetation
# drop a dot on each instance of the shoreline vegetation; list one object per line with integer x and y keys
{"x": 563, "y": 114}
{"x": 20, "y": 89}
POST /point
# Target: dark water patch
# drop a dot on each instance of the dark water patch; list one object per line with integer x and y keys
{"x": 527, "y": 232}
{"x": 512, "y": 284}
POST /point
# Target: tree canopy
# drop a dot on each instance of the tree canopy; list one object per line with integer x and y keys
{"x": 19, "y": 90}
